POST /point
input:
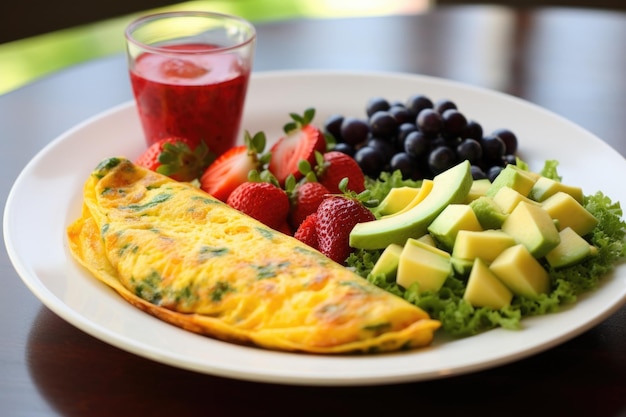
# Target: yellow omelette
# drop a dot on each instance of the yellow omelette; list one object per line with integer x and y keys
{"x": 175, "y": 252}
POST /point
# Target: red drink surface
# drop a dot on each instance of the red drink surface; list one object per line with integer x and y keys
{"x": 196, "y": 96}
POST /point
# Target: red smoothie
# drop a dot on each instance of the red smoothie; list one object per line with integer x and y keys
{"x": 196, "y": 96}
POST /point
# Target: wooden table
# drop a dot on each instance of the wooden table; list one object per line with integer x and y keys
{"x": 570, "y": 61}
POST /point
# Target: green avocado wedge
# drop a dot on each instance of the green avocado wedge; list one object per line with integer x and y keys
{"x": 449, "y": 187}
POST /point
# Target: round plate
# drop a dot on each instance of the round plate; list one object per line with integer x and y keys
{"x": 46, "y": 197}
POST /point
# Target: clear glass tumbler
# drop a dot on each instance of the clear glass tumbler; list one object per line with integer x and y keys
{"x": 189, "y": 73}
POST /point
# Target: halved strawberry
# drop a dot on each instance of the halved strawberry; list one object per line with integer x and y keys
{"x": 177, "y": 158}
{"x": 232, "y": 168}
{"x": 300, "y": 142}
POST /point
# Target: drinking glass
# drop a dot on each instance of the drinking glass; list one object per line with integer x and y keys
{"x": 189, "y": 73}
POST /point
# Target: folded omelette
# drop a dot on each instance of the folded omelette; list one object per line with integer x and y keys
{"x": 177, "y": 253}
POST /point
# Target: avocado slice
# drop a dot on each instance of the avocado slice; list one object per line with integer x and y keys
{"x": 507, "y": 199}
{"x": 521, "y": 272}
{"x": 449, "y": 187}
{"x": 424, "y": 189}
{"x": 569, "y": 213}
{"x": 489, "y": 215}
{"x": 572, "y": 249}
{"x": 486, "y": 245}
{"x": 462, "y": 267}
{"x": 387, "y": 264}
{"x": 484, "y": 288}
{"x": 478, "y": 189}
{"x": 396, "y": 200}
{"x": 533, "y": 227}
{"x": 428, "y": 239}
{"x": 453, "y": 218}
{"x": 423, "y": 264}
{"x": 515, "y": 178}
{"x": 545, "y": 187}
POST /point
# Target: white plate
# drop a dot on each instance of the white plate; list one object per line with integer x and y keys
{"x": 46, "y": 197}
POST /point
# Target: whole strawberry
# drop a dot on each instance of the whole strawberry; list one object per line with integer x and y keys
{"x": 177, "y": 158}
{"x": 306, "y": 231}
{"x": 262, "y": 201}
{"x": 335, "y": 166}
{"x": 305, "y": 199}
{"x": 300, "y": 143}
{"x": 336, "y": 216}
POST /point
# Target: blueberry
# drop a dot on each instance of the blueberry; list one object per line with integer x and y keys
{"x": 354, "y": 130}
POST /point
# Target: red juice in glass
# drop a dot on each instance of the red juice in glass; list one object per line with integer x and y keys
{"x": 199, "y": 96}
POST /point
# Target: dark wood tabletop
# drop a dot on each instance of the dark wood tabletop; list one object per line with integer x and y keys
{"x": 570, "y": 61}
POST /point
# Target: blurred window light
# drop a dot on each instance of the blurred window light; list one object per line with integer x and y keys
{"x": 26, "y": 60}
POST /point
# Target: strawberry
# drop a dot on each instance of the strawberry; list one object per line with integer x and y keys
{"x": 335, "y": 166}
{"x": 306, "y": 231}
{"x": 285, "y": 228}
{"x": 336, "y": 216}
{"x": 262, "y": 201}
{"x": 176, "y": 157}
{"x": 231, "y": 169}
{"x": 305, "y": 199}
{"x": 300, "y": 142}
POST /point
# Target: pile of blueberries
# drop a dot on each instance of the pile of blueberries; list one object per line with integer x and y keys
{"x": 421, "y": 138}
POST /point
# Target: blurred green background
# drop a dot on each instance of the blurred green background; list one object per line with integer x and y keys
{"x": 24, "y": 60}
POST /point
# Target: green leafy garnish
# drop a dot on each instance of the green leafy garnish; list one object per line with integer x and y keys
{"x": 459, "y": 318}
